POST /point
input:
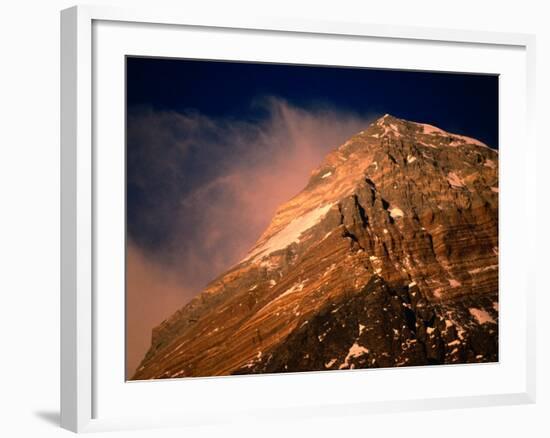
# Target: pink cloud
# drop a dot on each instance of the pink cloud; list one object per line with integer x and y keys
{"x": 152, "y": 295}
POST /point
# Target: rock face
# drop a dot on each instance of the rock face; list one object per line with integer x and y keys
{"x": 388, "y": 257}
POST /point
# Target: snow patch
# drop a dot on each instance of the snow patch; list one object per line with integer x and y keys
{"x": 329, "y": 269}
{"x": 455, "y": 180}
{"x": 430, "y": 130}
{"x": 326, "y": 175}
{"x": 330, "y": 363}
{"x": 395, "y": 130}
{"x": 396, "y": 212}
{"x": 482, "y": 316}
{"x": 483, "y": 269}
{"x": 411, "y": 159}
{"x": 292, "y": 232}
{"x": 298, "y": 287}
{"x": 270, "y": 263}
{"x": 355, "y": 350}
{"x": 454, "y": 283}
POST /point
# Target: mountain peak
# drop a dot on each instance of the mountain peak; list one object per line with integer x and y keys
{"x": 388, "y": 257}
{"x": 386, "y": 118}
{"x": 389, "y": 149}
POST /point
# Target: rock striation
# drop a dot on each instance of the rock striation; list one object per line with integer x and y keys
{"x": 388, "y": 257}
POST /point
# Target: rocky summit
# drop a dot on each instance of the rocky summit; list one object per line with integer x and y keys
{"x": 387, "y": 258}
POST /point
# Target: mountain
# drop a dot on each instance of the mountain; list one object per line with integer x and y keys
{"x": 388, "y": 257}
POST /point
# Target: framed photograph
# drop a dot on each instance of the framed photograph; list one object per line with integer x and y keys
{"x": 269, "y": 207}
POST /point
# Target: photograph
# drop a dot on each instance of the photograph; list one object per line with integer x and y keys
{"x": 285, "y": 218}
{"x": 233, "y": 219}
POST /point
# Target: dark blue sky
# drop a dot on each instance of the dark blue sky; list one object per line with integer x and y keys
{"x": 461, "y": 103}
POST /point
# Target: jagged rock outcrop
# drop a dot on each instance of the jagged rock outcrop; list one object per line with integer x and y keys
{"x": 389, "y": 257}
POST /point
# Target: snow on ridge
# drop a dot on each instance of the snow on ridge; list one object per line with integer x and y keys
{"x": 427, "y": 129}
{"x": 388, "y": 127}
{"x": 391, "y": 129}
{"x": 468, "y": 140}
{"x": 457, "y": 139}
{"x": 380, "y": 121}
{"x": 430, "y": 129}
{"x": 291, "y": 232}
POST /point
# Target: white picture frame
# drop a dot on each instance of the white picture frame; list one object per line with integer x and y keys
{"x": 83, "y": 172}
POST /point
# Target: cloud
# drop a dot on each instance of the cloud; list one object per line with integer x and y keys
{"x": 202, "y": 190}
{"x": 153, "y": 293}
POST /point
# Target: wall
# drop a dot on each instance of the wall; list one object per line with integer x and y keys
{"x": 29, "y": 218}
